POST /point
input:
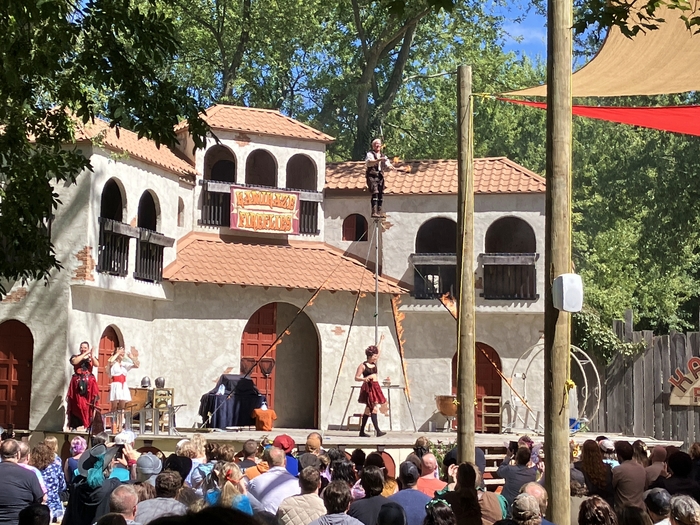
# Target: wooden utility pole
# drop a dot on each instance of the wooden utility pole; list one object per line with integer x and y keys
{"x": 557, "y": 256}
{"x": 466, "y": 331}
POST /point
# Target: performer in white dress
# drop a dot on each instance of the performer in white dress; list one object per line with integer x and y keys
{"x": 119, "y": 365}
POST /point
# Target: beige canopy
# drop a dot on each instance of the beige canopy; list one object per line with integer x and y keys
{"x": 661, "y": 61}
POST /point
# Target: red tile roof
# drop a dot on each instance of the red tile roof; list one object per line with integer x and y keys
{"x": 128, "y": 142}
{"x": 207, "y": 258}
{"x": 259, "y": 122}
{"x": 491, "y": 175}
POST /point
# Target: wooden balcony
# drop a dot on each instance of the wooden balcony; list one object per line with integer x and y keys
{"x": 216, "y": 205}
{"x": 149, "y": 255}
{"x": 113, "y": 251}
{"x": 510, "y": 276}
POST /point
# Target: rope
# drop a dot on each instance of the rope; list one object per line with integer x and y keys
{"x": 352, "y": 319}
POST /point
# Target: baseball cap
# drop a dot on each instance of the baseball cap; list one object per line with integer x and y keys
{"x": 408, "y": 473}
{"x": 149, "y": 463}
{"x": 658, "y": 501}
{"x": 284, "y": 442}
{"x": 525, "y": 507}
{"x": 606, "y": 445}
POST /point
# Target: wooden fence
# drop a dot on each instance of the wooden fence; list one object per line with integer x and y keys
{"x": 635, "y": 390}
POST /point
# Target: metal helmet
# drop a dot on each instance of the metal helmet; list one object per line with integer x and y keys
{"x": 160, "y": 382}
{"x": 146, "y": 382}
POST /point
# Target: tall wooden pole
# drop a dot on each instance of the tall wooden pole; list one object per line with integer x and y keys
{"x": 557, "y": 256}
{"x": 466, "y": 332}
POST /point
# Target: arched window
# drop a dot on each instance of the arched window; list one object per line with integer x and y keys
{"x": 437, "y": 235}
{"x": 112, "y": 202}
{"x": 148, "y": 212}
{"x": 261, "y": 169}
{"x": 180, "y": 212}
{"x": 355, "y": 228}
{"x": 301, "y": 173}
{"x": 220, "y": 164}
{"x": 510, "y": 235}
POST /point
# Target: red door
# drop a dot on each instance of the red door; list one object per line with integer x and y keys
{"x": 259, "y": 334}
{"x": 108, "y": 342}
{"x": 488, "y": 383}
{"x": 16, "y": 353}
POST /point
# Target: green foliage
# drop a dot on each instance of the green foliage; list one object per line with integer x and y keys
{"x": 64, "y": 62}
{"x": 598, "y": 339}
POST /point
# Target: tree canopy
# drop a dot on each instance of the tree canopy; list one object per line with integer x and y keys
{"x": 64, "y": 62}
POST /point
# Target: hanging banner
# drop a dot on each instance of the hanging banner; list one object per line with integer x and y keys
{"x": 264, "y": 211}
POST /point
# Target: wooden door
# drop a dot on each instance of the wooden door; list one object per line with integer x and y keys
{"x": 259, "y": 334}
{"x": 488, "y": 381}
{"x": 16, "y": 354}
{"x": 108, "y": 342}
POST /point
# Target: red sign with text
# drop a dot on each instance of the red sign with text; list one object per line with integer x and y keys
{"x": 264, "y": 211}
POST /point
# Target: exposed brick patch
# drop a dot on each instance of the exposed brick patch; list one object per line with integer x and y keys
{"x": 338, "y": 330}
{"x": 386, "y": 225}
{"x": 84, "y": 272}
{"x": 479, "y": 283}
{"x": 133, "y": 222}
{"x": 15, "y": 296}
{"x": 242, "y": 139}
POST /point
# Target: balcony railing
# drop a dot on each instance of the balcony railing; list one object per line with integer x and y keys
{"x": 434, "y": 275}
{"x": 149, "y": 255}
{"x": 113, "y": 252}
{"x": 216, "y": 205}
{"x": 510, "y": 276}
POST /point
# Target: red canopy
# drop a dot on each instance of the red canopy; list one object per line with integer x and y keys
{"x": 677, "y": 119}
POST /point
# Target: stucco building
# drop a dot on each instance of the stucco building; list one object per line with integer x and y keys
{"x": 152, "y": 262}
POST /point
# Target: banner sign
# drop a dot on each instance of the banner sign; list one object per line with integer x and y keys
{"x": 686, "y": 386}
{"x": 264, "y": 211}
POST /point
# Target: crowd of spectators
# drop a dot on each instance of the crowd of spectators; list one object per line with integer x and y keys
{"x": 274, "y": 484}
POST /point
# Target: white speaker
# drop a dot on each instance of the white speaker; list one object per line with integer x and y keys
{"x": 567, "y": 292}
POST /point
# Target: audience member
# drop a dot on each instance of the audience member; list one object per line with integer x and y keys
{"x": 144, "y": 490}
{"x": 124, "y": 500}
{"x": 35, "y": 514}
{"x": 111, "y": 518}
{"x": 684, "y": 511}
{"x": 694, "y": 452}
{"x": 336, "y": 499}
{"x": 358, "y": 457}
{"x": 629, "y": 478}
{"x": 168, "y": 483}
{"x": 493, "y": 506}
{"x": 232, "y": 492}
{"x": 148, "y": 466}
{"x": 25, "y": 457}
{"x": 657, "y": 465}
{"x": 596, "y": 511}
{"x": 391, "y": 487}
{"x": 249, "y": 459}
{"x": 607, "y": 448}
{"x": 304, "y": 507}
{"x": 43, "y": 459}
{"x": 526, "y": 510}
{"x": 287, "y": 444}
{"x": 597, "y": 474}
{"x": 367, "y": 509}
{"x": 314, "y": 444}
{"x": 633, "y": 516}
{"x": 412, "y": 500}
{"x": 680, "y": 467}
{"x": 464, "y": 499}
{"x": 391, "y": 513}
{"x": 538, "y": 492}
{"x": 439, "y": 513}
{"x": 578, "y": 495}
{"x": 428, "y": 484}
{"x": 658, "y": 502}
{"x": 268, "y": 490}
{"x": 639, "y": 453}
{"x": 517, "y": 475}
{"x": 70, "y": 467}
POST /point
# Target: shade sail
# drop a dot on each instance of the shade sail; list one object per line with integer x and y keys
{"x": 677, "y": 119}
{"x": 660, "y": 61}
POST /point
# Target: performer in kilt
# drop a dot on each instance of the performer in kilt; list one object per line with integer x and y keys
{"x": 371, "y": 394}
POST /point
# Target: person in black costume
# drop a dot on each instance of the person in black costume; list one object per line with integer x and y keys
{"x": 371, "y": 394}
{"x": 376, "y": 163}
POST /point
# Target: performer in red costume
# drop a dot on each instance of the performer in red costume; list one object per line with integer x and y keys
{"x": 83, "y": 391}
{"x": 371, "y": 392}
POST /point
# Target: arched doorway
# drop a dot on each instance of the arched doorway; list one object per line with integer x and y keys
{"x": 108, "y": 342}
{"x": 287, "y": 375}
{"x": 16, "y": 355}
{"x": 488, "y": 384}
{"x": 261, "y": 169}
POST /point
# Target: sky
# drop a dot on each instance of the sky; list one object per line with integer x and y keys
{"x": 526, "y": 31}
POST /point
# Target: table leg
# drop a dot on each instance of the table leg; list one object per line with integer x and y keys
{"x": 391, "y": 411}
{"x": 410, "y": 411}
{"x": 347, "y": 407}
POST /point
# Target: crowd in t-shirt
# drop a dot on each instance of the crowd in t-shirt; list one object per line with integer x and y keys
{"x": 275, "y": 483}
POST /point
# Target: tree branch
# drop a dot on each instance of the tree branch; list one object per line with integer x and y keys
{"x": 360, "y": 28}
{"x": 443, "y": 74}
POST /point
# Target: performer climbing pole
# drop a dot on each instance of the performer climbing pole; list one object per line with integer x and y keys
{"x": 376, "y": 163}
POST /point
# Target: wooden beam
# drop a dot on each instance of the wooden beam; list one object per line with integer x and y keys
{"x": 558, "y": 256}
{"x": 466, "y": 331}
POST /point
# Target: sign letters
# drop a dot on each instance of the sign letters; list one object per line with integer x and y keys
{"x": 264, "y": 211}
{"x": 686, "y": 390}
